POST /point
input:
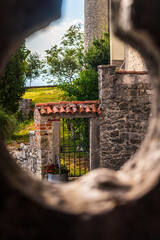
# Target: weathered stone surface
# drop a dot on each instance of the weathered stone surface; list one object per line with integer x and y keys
{"x": 96, "y": 19}
{"x": 25, "y": 107}
{"x": 47, "y": 140}
{"x": 125, "y": 113}
{"x": 133, "y": 60}
{"x": 27, "y": 158}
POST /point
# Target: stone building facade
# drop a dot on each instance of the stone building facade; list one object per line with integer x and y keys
{"x": 125, "y": 104}
{"x": 96, "y": 19}
{"x": 125, "y": 95}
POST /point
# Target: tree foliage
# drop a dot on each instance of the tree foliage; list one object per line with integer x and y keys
{"x": 33, "y": 66}
{"x": 98, "y": 52}
{"x": 85, "y": 87}
{"x": 76, "y": 70}
{"x": 7, "y": 124}
{"x": 12, "y": 82}
{"x": 66, "y": 61}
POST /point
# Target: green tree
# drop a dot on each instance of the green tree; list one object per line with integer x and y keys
{"x": 33, "y": 66}
{"x": 12, "y": 81}
{"x": 76, "y": 71}
{"x": 98, "y": 52}
{"x": 66, "y": 61}
{"x": 85, "y": 87}
{"x": 7, "y": 124}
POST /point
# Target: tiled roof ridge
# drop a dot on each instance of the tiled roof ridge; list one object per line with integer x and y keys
{"x": 66, "y": 102}
{"x": 72, "y": 107}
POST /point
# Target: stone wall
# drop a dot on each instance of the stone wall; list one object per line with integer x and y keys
{"x": 133, "y": 60}
{"x": 26, "y": 157}
{"x": 96, "y": 19}
{"x": 45, "y": 133}
{"x": 125, "y": 102}
{"x": 25, "y": 107}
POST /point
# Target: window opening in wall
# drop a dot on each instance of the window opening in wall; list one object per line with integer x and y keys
{"x": 74, "y": 148}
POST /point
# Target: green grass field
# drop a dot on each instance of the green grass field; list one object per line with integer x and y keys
{"x": 21, "y": 134}
{"x": 44, "y": 95}
{"x": 38, "y": 95}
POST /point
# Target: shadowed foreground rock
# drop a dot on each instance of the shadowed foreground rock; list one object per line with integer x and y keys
{"x": 122, "y": 205}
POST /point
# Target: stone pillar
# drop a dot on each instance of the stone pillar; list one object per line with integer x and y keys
{"x": 25, "y": 107}
{"x": 107, "y": 118}
{"x": 56, "y": 140}
{"x": 96, "y": 19}
{"x": 94, "y": 143}
{"x": 32, "y": 138}
{"x": 125, "y": 103}
{"x": 46, "y": 140}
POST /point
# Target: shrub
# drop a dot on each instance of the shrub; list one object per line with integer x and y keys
{"x": 7, "y": 124}
{"x": 12, "y": 81}
{"x": 98, "y": 52}
{"x": 84, "y": 88}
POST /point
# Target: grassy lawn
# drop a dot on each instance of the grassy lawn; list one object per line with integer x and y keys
{"x": 44, "y": 95}
{"x": 38, "y": 95}
{"x": 21, "y": 134}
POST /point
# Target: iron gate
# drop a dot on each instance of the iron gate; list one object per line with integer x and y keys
{"x": 75, "y": 145}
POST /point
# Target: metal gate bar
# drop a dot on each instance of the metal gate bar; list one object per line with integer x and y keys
{"x": 75, "y": 145}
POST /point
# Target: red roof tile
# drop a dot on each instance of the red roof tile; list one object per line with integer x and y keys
{"x": 42, "y": 110}
{"x": 68, "y": 109}
{"x": 49, "y": 110}
{"x": 74, "y": 109}
{"x": 55, "y": 110}
{"x": 88, "y": 110}
{"x": 94, "y": 109}
{"x": 62, "y": 110}
{"x": 79, "y": 107}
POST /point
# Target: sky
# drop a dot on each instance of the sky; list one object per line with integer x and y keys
{"x": 72, "y": 12}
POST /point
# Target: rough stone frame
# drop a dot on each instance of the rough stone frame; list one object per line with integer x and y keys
{"x": 104, "y": 204}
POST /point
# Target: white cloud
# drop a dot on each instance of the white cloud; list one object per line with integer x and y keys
{"x": 51, "y": 35}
